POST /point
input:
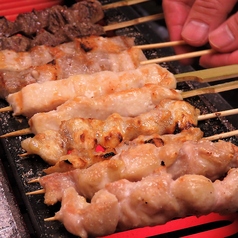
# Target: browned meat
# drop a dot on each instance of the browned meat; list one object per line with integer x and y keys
{"x": 126, "y": 103}
{"x": 133, "y": 163}
{"x": 83, "y": 55}
{"x": 54, "y": 93}
{"x": 51, "y": 26}
{"x": 83, "y": 135}
{"x": 154, "y": 200}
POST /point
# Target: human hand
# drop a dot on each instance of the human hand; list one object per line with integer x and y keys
{"x": 198, "y": 22}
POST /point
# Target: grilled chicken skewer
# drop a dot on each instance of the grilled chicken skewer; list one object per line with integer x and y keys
{"x": 54, "y": 93}
{"x": 186, "y": 155}
{"x": 126, "y": 103}
{"x": 65, "y": 60}
{"x": 83, "y": 135}
{"x": 136, "y": 101}
{"x": 156, "y": 199}
{"x": 39, "y": 55}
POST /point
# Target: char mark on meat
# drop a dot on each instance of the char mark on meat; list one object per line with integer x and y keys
{"x": 51, "y": 26}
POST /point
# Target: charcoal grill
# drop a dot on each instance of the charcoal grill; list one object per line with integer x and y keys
{"x": 18, "y": 171}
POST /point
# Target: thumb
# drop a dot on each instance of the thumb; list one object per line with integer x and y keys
{"x": 204, "y": 17}
{"x": 225, "y": 37}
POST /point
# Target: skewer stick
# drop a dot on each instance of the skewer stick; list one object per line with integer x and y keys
{"x": 179, "y": 57}
{"x": 6, "y": 109}
{"x": 218, "y": 114}
{"x": 223, "y": 135}
{"x": 50, "y": 219}
{"x": 21, "y": 132}
{"x": 203, "y": 76}
{"x": 37, "y": 192}
{"x": 122, "y": 4}
{"x": 209, "y": 75}
{"x": 160, "y": 45}
{"x": 133, "y": 22}
{"x": 34, "y": 180}
{"x": 211, "y": 89}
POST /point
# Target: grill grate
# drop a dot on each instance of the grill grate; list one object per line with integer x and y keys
{"x": 23, "y": 170}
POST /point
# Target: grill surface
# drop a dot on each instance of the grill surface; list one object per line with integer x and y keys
{"x": 22, "y": 170}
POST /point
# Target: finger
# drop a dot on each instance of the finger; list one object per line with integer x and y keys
{"x": 204, "y": 17}
{"x": 225, "y": 37}
{"x": 216, "y": 60}
{"x": 176, "y": 12}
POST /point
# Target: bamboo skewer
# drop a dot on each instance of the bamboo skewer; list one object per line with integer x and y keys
{"x": 37, "y": 192}
{"x": 218, "y": 114}
{"x": 210, "y": 89}
{"x": 223, "y": 135}
{"x": 122, "y": 4}
{"x": 211, "y": 138}
{"x": 160, "y": 45}
{"x": 203, "y": 76}
{"x": 178, "y": 57}
{"x": 133, "y": 22}
{"x": 200, "y": 118}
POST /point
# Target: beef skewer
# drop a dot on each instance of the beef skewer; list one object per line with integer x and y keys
{"x": 52, "y": 18}
{"x": 66, "y": 33}
{"x": 154, "y": 200}
{"x": 83, "y": 135}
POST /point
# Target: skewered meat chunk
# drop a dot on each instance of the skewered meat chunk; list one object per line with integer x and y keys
{"x": 133, "y": 163}
{"x": 54, "y": 93}
{"x": 156, "y": 199}
{"x": 52, "y": 18}
{"x": 136, "y": 162}
{"x": 83, "y": 135}
{"x": 126, "y": 103}
{"x": 11, "y": 60}
{"x": 13, "y": 81}
{"x": 51, "y": 26}
{"x": 62, "y": 61}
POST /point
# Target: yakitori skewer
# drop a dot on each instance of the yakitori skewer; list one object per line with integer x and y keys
{"x": 199, "y": 118}
{"x": 206, "y": 75}
{"x": 39, "y": 116}
{"x": 56, "y": 92}
{"x": 187, "y": 154}
{"x": 185, "y": 196}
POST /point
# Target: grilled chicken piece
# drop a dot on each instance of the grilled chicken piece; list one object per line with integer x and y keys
{"x": 126, "y": 103}
{"x": 139, "y": 161}
{"x": 65, "y": 60}
{"x": 83, "y": 135}
{"x": 154, "y": 200}
{"x": 11, "y": 60}
{"x": 54, "y": 93}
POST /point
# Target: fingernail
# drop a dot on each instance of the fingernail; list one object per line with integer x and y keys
{"x": 196, "y": 32}
{"x": 221, "y": 37}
